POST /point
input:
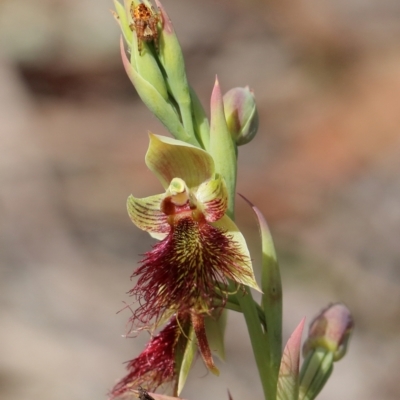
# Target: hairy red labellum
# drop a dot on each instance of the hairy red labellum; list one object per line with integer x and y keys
{"x": 187, "y": 270}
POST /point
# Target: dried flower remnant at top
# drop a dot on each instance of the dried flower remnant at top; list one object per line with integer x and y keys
{"x": 145, "y": 22}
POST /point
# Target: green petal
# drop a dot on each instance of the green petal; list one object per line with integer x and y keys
{"x": 230, "y": 228}
{"x": 213, "y": 198}
{"x": 168, "y": 158}
{"x": 146, "y": 214}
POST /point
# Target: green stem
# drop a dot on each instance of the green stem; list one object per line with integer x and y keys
{"x": 233, "y": 304}
{"x": 257, "y": 339}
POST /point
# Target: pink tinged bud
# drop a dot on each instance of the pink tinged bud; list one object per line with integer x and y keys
{"x": 241, "y": 114}
{"x": 330, "y": 330}
{"x": 327, "y": 342}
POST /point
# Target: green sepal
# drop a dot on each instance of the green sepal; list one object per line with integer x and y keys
{"x": 288, "y": 380}
{"x": 315, "y": 372}
{"x": 186, "y": 349}
{"x": 168, "y": 158}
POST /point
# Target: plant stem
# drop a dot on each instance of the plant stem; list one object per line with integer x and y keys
{"x": 257, "y": 339}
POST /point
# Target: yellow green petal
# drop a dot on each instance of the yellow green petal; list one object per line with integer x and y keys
{"x": 230, "y": 228}
{"x": 169, "y": 158}
{"x": 146, "y": 214}
{"x": 213, "y": 198}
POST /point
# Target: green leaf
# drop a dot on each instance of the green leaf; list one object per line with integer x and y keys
{"x": 271, "y": 300}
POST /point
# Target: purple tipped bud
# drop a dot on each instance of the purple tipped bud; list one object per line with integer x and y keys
{"x": 331, "y": 330}
{"x": 241, "y": 114}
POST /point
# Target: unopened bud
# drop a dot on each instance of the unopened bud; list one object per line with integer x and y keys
{"x": 327, "y": 341}
{"x": 331, "y": 330}
{"x": 241, "y": 114}
{"x": 171, "y": 58}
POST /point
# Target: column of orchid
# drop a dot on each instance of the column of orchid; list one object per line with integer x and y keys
{"x": 201, "y": 265}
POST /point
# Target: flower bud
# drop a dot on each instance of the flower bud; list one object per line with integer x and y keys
{"x": 241, "y": 114}
{"x": 327, "y": 341}
{"x": 171, "y": 58}
{"x": 145, "y": 65}
{"x": 331, "y": 330}
{"x": 154, "y": 100}
{"x": 155, "y": 83}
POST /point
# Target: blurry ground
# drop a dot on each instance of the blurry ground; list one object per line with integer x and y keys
{"x": 324, "y": 169}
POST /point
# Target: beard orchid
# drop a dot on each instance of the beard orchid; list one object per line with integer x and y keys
{"x": 200, "y": 247}
{"x": 200, "y": 250}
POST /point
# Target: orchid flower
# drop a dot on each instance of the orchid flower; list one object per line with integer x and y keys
{"x": 200, "y": 249}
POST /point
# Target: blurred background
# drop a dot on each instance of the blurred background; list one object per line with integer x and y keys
{"x": 324, "y": 169}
